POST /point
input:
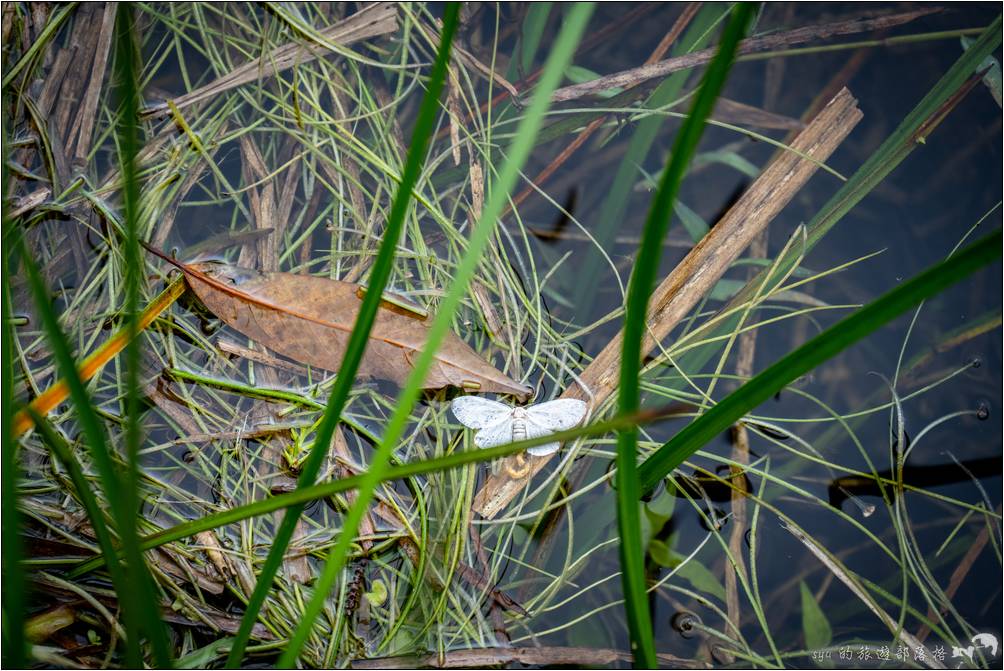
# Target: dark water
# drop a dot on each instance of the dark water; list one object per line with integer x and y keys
{"x": 915, "y": 217}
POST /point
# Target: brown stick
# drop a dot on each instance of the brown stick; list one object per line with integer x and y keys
{"x": 747, "y": 349}
{"x": 483, "y": 657}
{"x": 377, "y": 19}
{"x": 741, "y": 455}
{"x": 701, "y": 268}
{"x": 88, "y": 112}
{"x": 54, "y": 81}
{"x": 752, "y": 45}
{"x": 731, "y": 111}
{"x": 86, "y": 22}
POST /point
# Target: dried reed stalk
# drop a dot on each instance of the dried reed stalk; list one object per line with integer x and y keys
{"x": 536, "y": 656}
{"x": 372, "y": 21}
{"x": 88, "y": 116}
{"x": 634, "y": 76}
{"x": 698, "y": 272}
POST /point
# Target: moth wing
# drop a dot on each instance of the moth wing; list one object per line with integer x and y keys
{"x": 535, "y": 430}
{"x": 546, "y": 418}
{"x": 497, "y": 434}
{"x": 544, "y": 450}
{"x": 558, "y": 415}
{"x": 475, "y": 412}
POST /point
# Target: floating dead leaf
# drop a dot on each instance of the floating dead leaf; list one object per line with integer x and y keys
{"x": 309, "y": 319}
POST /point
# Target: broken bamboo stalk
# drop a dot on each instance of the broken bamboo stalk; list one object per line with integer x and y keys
{"x": 698, "y": 272}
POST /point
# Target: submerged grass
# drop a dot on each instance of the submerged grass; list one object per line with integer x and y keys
{"x": 318, "y": 156}
{"x": 668, "y": 92}
{"x": 807, "y": 357}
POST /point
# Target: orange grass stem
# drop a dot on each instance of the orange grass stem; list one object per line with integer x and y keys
{"x": 92, "y": 365}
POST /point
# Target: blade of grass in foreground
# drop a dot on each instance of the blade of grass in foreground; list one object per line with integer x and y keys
{"x": 142, "y": 593}
{"x": 827, "y": 344}
{"x": 424, "y": 127}
{"x": 305, "y": 495}
{"x": 128, "y": 584}
{"x": 632, "y": 551}
{"x": 561, "y": 54}
{"x": 93, "y": 434}
{"x": 14, "y": 597}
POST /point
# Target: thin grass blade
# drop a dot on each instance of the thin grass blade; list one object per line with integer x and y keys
{"x": 526, "y": 134}
{"x": 358, "y": 340}
{"x": 142, "y": 592}
{"x": 306, "y": 495}
{"x": 632, "y": 551}
{"x": 14, "y": 593}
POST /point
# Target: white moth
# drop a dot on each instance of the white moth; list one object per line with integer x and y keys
{"x": 499, "y": 424}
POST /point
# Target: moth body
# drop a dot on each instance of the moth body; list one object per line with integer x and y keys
{"x": 518, "y": 424}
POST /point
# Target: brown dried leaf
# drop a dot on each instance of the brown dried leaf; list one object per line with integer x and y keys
{"x": 309, "y": 319}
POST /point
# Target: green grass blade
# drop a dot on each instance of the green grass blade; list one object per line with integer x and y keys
{"x": 532, "y": 30}
{"x": 814, "y": 352}
{"x": 48, "y": 33}
{"x": 94, "y": 434}
{"x": 815, "y": 626}
{"x": 558, "y": 60}
{"x": 697, "y": 36}
{"x": 632, "y": 551}
{"x": 306, "y": 495}
{"x": 142, "y": 592}
{"x": 14, "y": 596}
{"x": 359, "y": 338}
{"x": 64, "y": 454}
